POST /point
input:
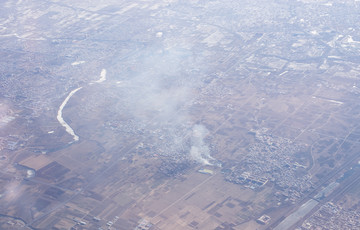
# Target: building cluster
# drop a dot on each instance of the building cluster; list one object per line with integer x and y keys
{"x": 332, "y": 216}
{"x": 172, "y": 168}
{"x": 272, "y": 159}
{"x": 144, "y": 225}
{"x": 246, "y": 179}
{"x": 264, "y": 219}
{"x": 167, "y": 141}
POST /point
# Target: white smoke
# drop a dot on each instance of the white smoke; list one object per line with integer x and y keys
{"x": 199, "y": 151}
{"x": 157, "y": 97}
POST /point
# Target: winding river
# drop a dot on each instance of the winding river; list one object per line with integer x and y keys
{"x": 59, "y": 117}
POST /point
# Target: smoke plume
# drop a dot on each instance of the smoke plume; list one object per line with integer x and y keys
{"x": 199, "y": 151}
